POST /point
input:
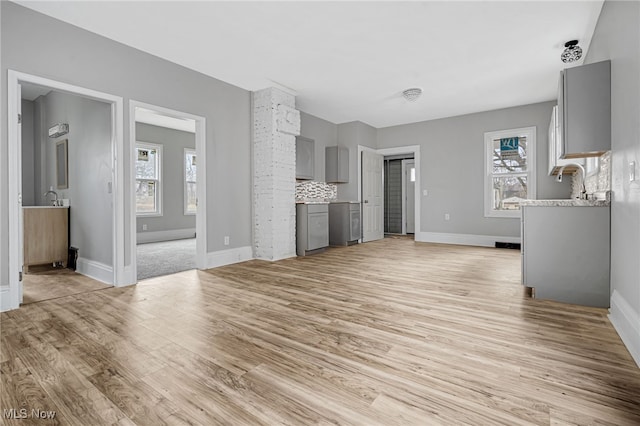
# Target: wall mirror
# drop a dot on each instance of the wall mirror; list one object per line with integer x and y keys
{"x": 62, "y": 167}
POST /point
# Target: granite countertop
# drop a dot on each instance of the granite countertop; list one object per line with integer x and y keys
{"x": 45, "y": 207}
{"x": 345, "y": 201}
{"x": 312, "y": 202}
{"x": 566, "y": 203}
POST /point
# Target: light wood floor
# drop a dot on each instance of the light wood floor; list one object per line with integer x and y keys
{"x": 45, "y": 282}
{"x": 385, "y": 333}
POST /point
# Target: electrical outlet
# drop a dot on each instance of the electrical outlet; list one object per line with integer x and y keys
{"x": 144, "y": 226}
{"x": 226, "y": 240}
{"x": 425, "y": 192}
{"x": 447, "y": 216}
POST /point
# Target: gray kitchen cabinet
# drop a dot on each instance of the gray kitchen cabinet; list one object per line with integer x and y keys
{"x": 565, "y": 253}
{"x": 336, "y": 164}
{"x": 305, "y": 158}
{"x": 555, "y": 162}
{"x": 312, "y": 228}
{"x": 344, "y": 223}
{"x": 584, "y": 110}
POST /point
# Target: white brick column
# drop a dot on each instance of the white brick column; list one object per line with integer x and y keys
{"x": 275, "y": 125}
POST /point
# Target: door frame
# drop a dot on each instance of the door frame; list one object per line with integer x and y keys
{"x": 409, "y": 149}
{"x": 16, "y": 78}
{"x": 404, "y": 195}
{"x": 201, "y": 193}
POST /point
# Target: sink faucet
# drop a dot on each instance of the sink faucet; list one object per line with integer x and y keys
{"x": 55, "y": 200}
{"x": 583, "y": 191}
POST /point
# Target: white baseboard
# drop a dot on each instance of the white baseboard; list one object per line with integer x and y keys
{"x": 228, "y": 257}
{"x": 463, "y": 239}
{"x": 96, "y": 270}
{"x": 275, "y": 259}
{"x": 171, "y": 234}
{"x": 626, "y": 321}
{"x": 5, "y": 299}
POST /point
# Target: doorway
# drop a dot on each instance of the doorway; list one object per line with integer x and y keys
{"x": 168, "y": 188}
{"x": 371, "y": 172}
{"x": 399, "y": 194}
{"x": 102, "y": 260}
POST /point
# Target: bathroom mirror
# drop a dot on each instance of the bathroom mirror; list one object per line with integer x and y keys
{"x": 62, "y": 169}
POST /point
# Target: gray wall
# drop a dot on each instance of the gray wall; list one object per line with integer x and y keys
{"x": 28, "y": 154}
{"x": 37, "y": 44}
{"x": 455, "y": 181}
{"x": 617, "y": 37}
{"x": 350, "y": 135}
{"x": 324, "y": 133}
{"x": 173, "y": 144}
{"x": 89, "y": 165}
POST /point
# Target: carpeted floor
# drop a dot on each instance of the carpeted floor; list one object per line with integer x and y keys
{"x": 166, "y": 257}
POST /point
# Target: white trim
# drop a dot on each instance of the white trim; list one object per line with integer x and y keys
{"x": 415, "y": 149}
{"x": 159, "y": 191}
{"x": 14, "y": 78}
{"x": 403, "y": 197}
{"x": 626, "y": 321}
{"x": 96, "y": 270}
{"x": 489, "y": 137}
{"x": 463, "y": 239}
{"x": 171, "y": 234}
{"x": 201, "y": 153}
{"x": 5, "y": 298}
{"x": 228, "y": 257}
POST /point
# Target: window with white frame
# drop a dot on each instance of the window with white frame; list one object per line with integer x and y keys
{"x": 190, "y": 196}
{"x": 148, "y": 179}
{"x": 509, "y": 171}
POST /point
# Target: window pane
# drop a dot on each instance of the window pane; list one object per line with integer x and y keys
{"x": 508, "y": 191}
{"x": 191, "y": 197}
{"x": 190, "y": 166}
{"x": 506, "y": 160}
{"x": 146, "y": 163}
{"x": 145, "y": 197}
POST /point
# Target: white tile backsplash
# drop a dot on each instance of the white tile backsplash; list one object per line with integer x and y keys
{"x": 596, "y": 181}
{"x": 316, "y": 191}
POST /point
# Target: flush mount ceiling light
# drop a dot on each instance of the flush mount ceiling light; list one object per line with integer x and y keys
{"x": 572, "y": 52}
{"x": 412, "y": 94}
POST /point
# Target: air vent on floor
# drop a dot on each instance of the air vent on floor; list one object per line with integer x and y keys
{"x": 515, "y": 246}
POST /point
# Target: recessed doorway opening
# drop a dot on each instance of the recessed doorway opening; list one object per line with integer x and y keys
{"x": 168, "y": 187}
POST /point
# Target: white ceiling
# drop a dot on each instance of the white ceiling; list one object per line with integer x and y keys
{"x": 350, "y": 61}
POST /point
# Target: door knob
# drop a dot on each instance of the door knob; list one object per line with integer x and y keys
{"x": 366, "y": 201}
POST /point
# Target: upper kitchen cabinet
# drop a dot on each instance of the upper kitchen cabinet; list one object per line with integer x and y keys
{"x": 305, "y": 158}
{"x": 336, "y": 164}
{"x": 555, "y": 162}
{"x": 584, "y": 110}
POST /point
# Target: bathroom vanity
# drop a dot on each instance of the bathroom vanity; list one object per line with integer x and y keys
{"x": 46, "y": 235}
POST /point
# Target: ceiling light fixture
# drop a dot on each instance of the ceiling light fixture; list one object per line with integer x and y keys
{"x": 572, "y": 52}
{"x": 412, "y": 94}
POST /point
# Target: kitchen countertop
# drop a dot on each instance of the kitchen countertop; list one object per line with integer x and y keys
{"x": 566, "y": 203}
{"x": 344, "y": 201}
{"x": 45, "y": 207}
{"x": 312, "y": 202}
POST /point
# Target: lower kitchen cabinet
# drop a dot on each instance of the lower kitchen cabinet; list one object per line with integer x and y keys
{"x": 566, "y": 253}
{"x": 344, "y": 223}
{"x": 312, "y": 228}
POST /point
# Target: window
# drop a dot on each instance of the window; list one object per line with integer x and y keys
{"x": 148, "y": 179}
{"x": 509, "y": 171}
{"x": 190, "y": 196}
